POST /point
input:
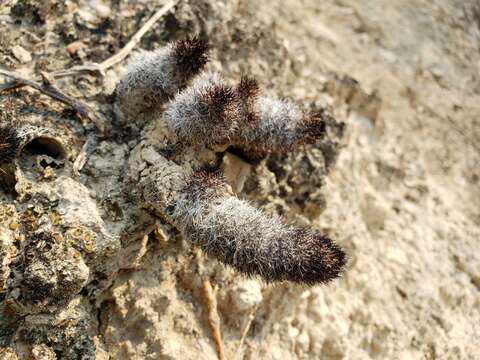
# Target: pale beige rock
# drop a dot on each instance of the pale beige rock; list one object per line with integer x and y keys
{"x": 246, "y": 295}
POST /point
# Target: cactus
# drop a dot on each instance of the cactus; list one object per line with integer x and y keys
{"x": 204, "y": 113}
{"x": 9, "y": 143}
{"x": 244, "y": 237}
{"x": 153, "y": 77}
{"x": 216, "y": 116}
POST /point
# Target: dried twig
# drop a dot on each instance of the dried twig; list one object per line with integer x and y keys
{"x": 251, "y": 316}
{"x": 10, "y": 86}
{"x": 213, "y": 318}
{"x": 123, "y": 53}
{"x": 46, "y": 87}
{"x": 82, "y": 157}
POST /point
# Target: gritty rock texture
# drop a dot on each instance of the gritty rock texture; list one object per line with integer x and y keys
{"x": 85, "y": 273}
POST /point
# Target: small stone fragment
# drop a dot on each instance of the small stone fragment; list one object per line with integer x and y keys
{"x": 21, "y": 54}
{"x": 100, "y": 8}
{"x": 73, "y": 47}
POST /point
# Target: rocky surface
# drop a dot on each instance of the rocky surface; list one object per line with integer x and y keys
{"x": 84, "y": 273}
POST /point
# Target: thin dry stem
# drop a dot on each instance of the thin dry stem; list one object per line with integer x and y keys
{"x": 213, "y": 318}
{"x": 82, "y": 157}
{"x": 251, "y": 316}
{"x": 123, "y": 53}
{"x": 46, "y": 87}
{"x": 10, "y": 86}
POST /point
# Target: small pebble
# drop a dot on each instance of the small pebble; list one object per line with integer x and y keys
{"x": 102, "y": 10}
{"x": 73, "y": 47}
{"x": 21, "y": 54}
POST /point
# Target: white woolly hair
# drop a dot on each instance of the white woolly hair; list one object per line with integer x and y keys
{"x": 189, "y": 114}
{"x": 244, "y": 237}
{"x": 277, "y": 126}
{"x": 150, "y": 77}
{"x": 234, "y": 232}
{"x": 228, "y": 228}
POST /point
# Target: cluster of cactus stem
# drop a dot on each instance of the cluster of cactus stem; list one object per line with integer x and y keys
{"x": 202, "y": 110}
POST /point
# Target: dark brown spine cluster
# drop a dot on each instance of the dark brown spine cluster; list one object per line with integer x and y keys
{"x": 312, "y": 127}
{"x": 191, "y": 56}
{"x": 9, "y": 144}
{"x": 254, "y": 243}
{"x": 204, "y": 113}
{"x": 247, "y": 92}
{"x": 321, "y": 259}
{"x": 219, "y": 105}
{"x": 206, "y": 183}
